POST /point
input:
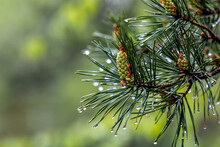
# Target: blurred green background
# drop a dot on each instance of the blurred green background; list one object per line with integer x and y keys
{"x": 41, "y": 45}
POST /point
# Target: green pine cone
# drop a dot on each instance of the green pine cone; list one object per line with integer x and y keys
{"x": 169, "y": 6}
{"x": 122, "y": 65}
{"x": 183, "y": 64}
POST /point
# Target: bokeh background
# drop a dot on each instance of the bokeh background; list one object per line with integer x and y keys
{"x": 41, "y": 45}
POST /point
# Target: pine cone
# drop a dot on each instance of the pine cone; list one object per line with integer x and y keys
{"x": 182, "y": 63}
{"x": 124, "y": 68}
{"x": 169, "y": 6}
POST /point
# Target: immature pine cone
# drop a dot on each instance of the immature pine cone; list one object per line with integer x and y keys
{"x": 124, "y": 68}
{"x": 169, "y": 6}
{"x": 182, "y": 63}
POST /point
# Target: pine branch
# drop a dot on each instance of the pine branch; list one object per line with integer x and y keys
{"x": 213, "y": 73}
{"x": 211, "y": 12}
{"x": 187, "y": 90}
{"x": 213, "y": 35}
{"x": 204, "y": 76}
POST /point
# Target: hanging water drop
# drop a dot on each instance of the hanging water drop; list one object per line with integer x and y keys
{"x": 217, "y": 103}
{"x": 95, "y": 83}
{"x": 155, "y": 143}
{"x": 198, "y": 111}
{"x": 214, "y": 114}
{"x": 108, "y": 61}
{"x": 124, "y": 128}
{"x": 135, "y": 122}
{"x": 185, "y": 132}
{"x": 79, "y": 110}
{"x": 194, "y": 97}
{"x": 111, "y": 131}
{"x": 84, "y": 108}
{"x": 138, "y": 107}
{"x": 100, "y": 88}
{"x": 168, "y": 59}
{"x": 86, "y": 52}
{"x": 116, "y": 135}
{"x": 100, "y": 69}
{"x": 95, "y": 127}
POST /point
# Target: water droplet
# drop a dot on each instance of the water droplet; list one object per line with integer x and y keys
{"x": 168, "y": 59}
{"x": 196, "y": 144}
{"x": 217, "y": 103}
{"x": 155, "y": 143}
{"x": 113, "y": 117}
{"x": 135, "y": 122}
{"x": 111, "y": 131}
{"x": 114, "y": 88}
{"x": 108, "y": 61}
{"x": 138, "y": 107}
{"x": 115, "y": 84}
{"x": 79, "y": 110}
{"x": 126, "y": 20}
{"x": 204, "y": 128}
{"x": 210, "y": 106}
{"x": 100, "y": 69}
{"x": 84, "y": 108}
{"x": 210, "y": 54}
{"x": 214, "y": 114}
{"x": 95, "y": 83}
{"x": 185, "y": 131}
{"x": 95, "y": 127}
{"x": 100, "y": 88}
{"x": 132, "y": 97}
{"x": 124, "y": 128}
{"x": 106, "y": 78}
{"x": 86, "y": 52}
{"x": 218, "y": 121}
{"x": 116, "y": 135}
{"x": 198, "y": 111}
{"x": 194, "y": 97}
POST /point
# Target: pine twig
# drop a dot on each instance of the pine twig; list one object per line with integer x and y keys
{"x": 213, "y": 35}
{"x": 213, "y": 73}
{"x": 212, "y": 12}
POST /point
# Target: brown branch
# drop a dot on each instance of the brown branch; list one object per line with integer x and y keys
{"x": 213, "y": 73}
{"x": 187, "y": 90}
{"x": 216, "y": 11}
{"x": 200, "y": 76}
{"x": 214, "y": 37}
